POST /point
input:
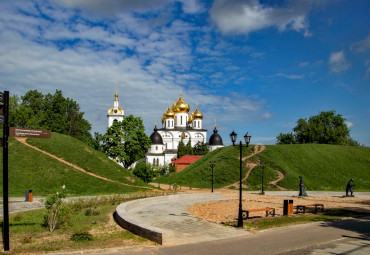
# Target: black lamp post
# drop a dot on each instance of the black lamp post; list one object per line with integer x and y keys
{"x": 212, "y": 164}
{"x": 263, "y": 166}
{"x": 247, "y": 139}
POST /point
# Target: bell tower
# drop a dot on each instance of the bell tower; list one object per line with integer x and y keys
{"x": 115, "y": 114}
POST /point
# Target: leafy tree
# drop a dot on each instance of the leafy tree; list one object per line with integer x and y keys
{"x": 324, "y": 128}
{"x": 126, "y": 140}
{"x": 285, "y": 138}
{"x": 181, "y": 149}
{"x": 144, "y": 171}
{"x": 53, "y": 112}
{"x": 189, "y": 148}
{"x": 200, "y": 148}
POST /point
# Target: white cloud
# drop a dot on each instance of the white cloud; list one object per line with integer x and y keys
{"x": 246, "y": 16}
{"x": 291, "y": 76}
{"x": 303, "y": 64}
{"x": 338, "y": 62}
{"x": 350, "y": 124}
{"x": 361, "y": 46}
{"x": 267, "y": 116}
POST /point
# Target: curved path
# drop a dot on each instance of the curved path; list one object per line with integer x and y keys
{"x": 250, "y": 166}
{"x": 23, "y": 141}
{"x": 281, "y": 176}
{"x": 166, "y": 219}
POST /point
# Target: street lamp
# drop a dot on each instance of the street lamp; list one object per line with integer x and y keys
{"x": 263, "y": 166}
{"x": 247, "y": 139}
{"x": 212, "y": 164}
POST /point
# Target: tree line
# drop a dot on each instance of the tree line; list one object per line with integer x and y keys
{"x": 53, "y": 112}
{"x": 324, "y": 128}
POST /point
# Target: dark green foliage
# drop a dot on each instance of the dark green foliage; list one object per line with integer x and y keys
{"x": 52, "y": 112}
{"x": 125, "y": 141}
{"x": 81, "y": 236}
{"x": 324, "y": 128}
{"x": 189, "y": 148}
{"x": 285, "y": 138}
{"x": 144, "y": 171}
{"x": 200, "y": 148}
{"x": 181, "y": 149}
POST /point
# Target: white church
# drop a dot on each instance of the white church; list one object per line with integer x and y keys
{"x": 177, "y": 124}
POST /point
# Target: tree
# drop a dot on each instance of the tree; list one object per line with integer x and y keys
{"x": 189, "y": 148}
{"x": 181, "y": 149}
{"x": 126, "y": 140}
{"x": 144, "y": 171}
{"x": 53, "y": 112}
{"x": 200, "y": 148}
{"x": 285, "y": 138}
{"x": 324, "y": 128}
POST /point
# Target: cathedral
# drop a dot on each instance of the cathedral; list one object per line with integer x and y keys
{"x": 177, "y": 124}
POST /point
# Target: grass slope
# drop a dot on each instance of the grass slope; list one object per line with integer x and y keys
{"x": 323, "y": 167}
{"x": 31, "y": 169}
{"x": 225, "y": 172}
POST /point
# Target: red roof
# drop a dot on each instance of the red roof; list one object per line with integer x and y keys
{"x": 188, "y": 159}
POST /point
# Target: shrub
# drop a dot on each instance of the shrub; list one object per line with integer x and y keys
{"x": 57, "y": 212}
{"x": 81, "y": 236}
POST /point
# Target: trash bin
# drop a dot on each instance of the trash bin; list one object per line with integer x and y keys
{"x": 29, "y": 196}
{"x": 288, "y": 207}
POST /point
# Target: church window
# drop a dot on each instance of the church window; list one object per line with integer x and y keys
{"x": 156, "y": 148}
{"x": 153, "y": 161}
{"x": 181, "y": 121}
{"x": 115, "y": 120}
{"x": 157, "y": 161}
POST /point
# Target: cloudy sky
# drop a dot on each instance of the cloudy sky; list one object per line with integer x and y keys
{"x": 251, "y": 65}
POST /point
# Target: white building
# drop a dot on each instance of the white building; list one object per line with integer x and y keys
{"x": 115, "y": 114}
{"x": 176, "y": 125}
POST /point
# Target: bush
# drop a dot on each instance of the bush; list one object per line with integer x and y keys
{"x": 57, "y": 212}
{"x": 144, "y": 171}
{"x": 81, "y": 236}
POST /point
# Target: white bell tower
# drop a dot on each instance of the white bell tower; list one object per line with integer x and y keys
{"x": 115, "y": 114}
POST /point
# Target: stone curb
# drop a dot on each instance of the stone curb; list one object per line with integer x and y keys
{"x": 142, "y": 228}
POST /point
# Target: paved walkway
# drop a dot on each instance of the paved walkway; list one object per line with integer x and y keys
{"x": 169, "y": 216}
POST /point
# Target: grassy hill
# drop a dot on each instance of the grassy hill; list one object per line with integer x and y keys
{"x": 31, "y": 169}
{"x": 225, "y": 172}
{"x": 323, "y": 167}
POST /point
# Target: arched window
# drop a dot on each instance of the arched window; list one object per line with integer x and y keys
{"x": 157, "y": 161}
{"x": 115, "y": 120}
{"x": 156, "y": 148}
{"x": 153, "y": 161}
{"x": 181, "y": 121}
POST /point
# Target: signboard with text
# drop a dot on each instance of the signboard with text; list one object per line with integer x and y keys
{"x": 28, "y": 132}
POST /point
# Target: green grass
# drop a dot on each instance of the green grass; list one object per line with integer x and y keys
{"x": 32, "y": 170}
{"x": 29, "y": 235}
{"x": 225, "y": 172}
{"x": 254, "y": 180}
{"x": 323, "y": 167}
{"x": 273, "y": 222}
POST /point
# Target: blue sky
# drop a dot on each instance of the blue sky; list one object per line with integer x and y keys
{"x": 253, "y": 66}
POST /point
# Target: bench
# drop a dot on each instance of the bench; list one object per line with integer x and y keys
{"x": 268, "y": 211}
{"x": 302, "y": 208}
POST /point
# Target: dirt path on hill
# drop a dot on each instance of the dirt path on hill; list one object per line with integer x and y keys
{"x": 23, "y": 141}
{"x": 281, "y": 176}
{"x": 250, "y": 165}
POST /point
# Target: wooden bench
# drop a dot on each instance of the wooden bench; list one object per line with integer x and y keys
{"x": 268, "y": 211}
{"x": 302, "y": 208}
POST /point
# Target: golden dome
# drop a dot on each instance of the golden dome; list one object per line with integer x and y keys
{"x": 197, "y": 114}
{"x": 191, "y": 117}
{"x": 180, "y": 106}
{"x": 168, "y": 114}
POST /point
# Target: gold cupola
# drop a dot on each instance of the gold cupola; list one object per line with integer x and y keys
{"x": 197, "y": 114}
{"x": 180, "y": 106}
{"x": 191, "y": 117}
{"x": 168, "y": 114}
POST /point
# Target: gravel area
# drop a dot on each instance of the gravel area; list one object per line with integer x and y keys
{"x": 227, "y": 210}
